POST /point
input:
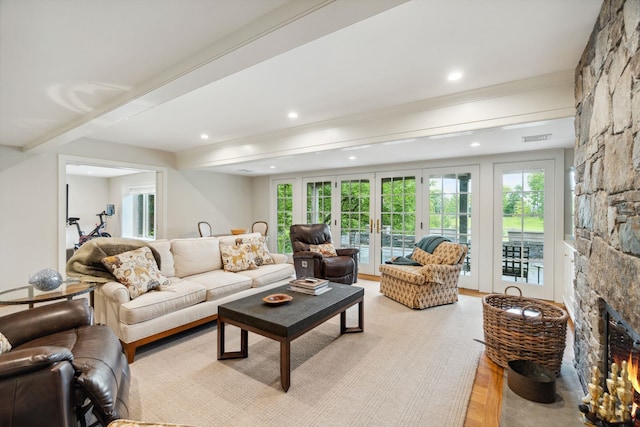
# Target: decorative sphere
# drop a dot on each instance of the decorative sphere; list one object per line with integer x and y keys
{"x": 46, "y": 279}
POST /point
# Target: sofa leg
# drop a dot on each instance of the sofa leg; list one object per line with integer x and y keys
{"x": 129, "y": 351}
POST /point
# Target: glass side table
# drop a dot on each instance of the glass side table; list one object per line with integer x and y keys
{"x": 29, "y": 295}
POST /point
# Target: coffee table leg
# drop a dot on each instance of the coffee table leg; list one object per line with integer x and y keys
{"x": 285, "y": 364}
{"x": 343, "y": 321}
{"x": 244, "y": 343}
{"x": 220, "y": 327}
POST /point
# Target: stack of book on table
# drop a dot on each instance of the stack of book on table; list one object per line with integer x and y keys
{"x": 309, "y": 285}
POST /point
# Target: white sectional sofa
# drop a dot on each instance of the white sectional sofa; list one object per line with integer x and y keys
{"x": 198, "y": 284}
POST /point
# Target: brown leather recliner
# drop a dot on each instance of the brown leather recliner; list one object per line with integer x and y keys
{"x": 340, "y": 269}
{"x": 60, "y": 365}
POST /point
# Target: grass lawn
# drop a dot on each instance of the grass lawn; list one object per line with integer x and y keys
{"x": 530, "y": 224}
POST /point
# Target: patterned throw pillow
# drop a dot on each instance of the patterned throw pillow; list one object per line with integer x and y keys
{"x": 137, "y": 270}
{"x": 261, "y": 255}
{"x": 451, "y": 253}
{"x": 326, "y": 249}
{"x": 237, "y": 257}
{"x": 424, "y": 257}
{"x": 5, "y": 345}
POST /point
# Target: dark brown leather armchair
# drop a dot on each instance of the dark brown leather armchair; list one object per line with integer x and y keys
{"x": 341, "y": 269}
{"x": 60, "y": 366}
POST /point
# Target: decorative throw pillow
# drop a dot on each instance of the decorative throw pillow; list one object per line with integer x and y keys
{"x": 261, "y": 255}
{"x": 137, "y": 270}
{"x": 326, "y": 249}
{"x": 424, "y": 257}
{"x": 451, "y": 253}
{"x": 237, "y": 257}
{"x": 5, "y": 345}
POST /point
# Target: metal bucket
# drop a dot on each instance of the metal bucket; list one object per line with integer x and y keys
{"x": 532, "y": 381}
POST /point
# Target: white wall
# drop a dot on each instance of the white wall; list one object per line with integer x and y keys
{"x": 224, "y": 201}
{"x": 32, "y": 197}
{"x": 28, "y": 215}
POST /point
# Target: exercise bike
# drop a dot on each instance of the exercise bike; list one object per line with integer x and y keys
{"x": 98, "y": 231}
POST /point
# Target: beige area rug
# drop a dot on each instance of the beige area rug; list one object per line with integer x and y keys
{"x": 408, "y": 368}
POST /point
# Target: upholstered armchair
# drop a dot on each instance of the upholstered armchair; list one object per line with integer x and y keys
{"x": 314, "y": 255}
{"x": 433, "y": 282}
{"x": 56, "y": 365}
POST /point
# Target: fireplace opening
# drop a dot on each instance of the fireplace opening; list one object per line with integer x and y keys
{"x": 622, "y": 344}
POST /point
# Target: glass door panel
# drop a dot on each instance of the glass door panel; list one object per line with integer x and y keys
{"x": 450, "y": 212}
{"x": 355, "y": 213}
{"x": 524, "y": 228}
{"x": 284, "y": 217}
{"x": 397, "y": 224}
{"x": 318, "y": 201}
{"x": 523, "y": 225}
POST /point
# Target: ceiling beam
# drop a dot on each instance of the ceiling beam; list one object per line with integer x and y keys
{"x": 290, "y": 26}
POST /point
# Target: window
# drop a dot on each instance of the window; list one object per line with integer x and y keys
{"x": 319, "y": 202}
{"x": 284, "y": 212}
{"x": 138, "y": 213}
{"x": 523, "y": 225}
{"x": 450, "y": 209}
{"x": 398, "y": 216}
{"x": 355, "y": 216}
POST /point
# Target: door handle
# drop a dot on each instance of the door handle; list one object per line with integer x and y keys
{"x": 371, "y": 225}
{"x": 377, "y": 225}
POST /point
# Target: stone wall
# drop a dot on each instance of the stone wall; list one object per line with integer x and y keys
{"x": 607, "y": 162}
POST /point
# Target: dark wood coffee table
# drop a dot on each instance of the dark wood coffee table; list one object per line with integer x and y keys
{"x": 286, "y": 322}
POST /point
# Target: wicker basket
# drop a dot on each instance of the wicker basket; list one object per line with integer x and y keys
{"x": 521, "y": 328}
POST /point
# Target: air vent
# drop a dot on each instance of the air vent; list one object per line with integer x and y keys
{"x": 245, "y": 170}
{"x": 536, "y": 138}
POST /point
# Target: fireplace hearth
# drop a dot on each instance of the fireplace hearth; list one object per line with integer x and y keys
{"x": 622, "y": 344}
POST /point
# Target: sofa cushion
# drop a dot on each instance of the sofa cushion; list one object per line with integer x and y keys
{"x": 266, "y": 274}
{"x": 237, "y": 257}
{"x": 197, "y": 255}
{"x": 163, "y": 247}
{"x": 137, "y": 270}
{"x": 220, "y": 283}
{"x": 151, "y": 305}
{"x": 408, "y": 273}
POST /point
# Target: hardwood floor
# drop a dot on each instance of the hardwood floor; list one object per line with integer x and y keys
{"x": 486, "y": 395}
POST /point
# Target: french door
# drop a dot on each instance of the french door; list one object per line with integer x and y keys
{"x": 354, "y": 223}
{"x": 452, "y": 213}
{"x": 523, "y": 226}
{"x": 375, "y": 213}
{"x": 396, "y": 219}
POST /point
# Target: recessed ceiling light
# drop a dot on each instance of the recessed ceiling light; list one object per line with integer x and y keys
{"x": 456, "y": 75}
{"x": 272, "y": 167}
{"x": 475, "y": 144}
{"x": 352, "y": 157}
{"x": 204, "y": 136}
{"x": 293, "y": 115}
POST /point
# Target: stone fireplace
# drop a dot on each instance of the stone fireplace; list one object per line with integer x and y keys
{"x": 607, "y": 170}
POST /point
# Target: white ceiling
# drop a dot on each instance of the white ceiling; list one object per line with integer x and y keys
{"x": 158, "y": 74}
